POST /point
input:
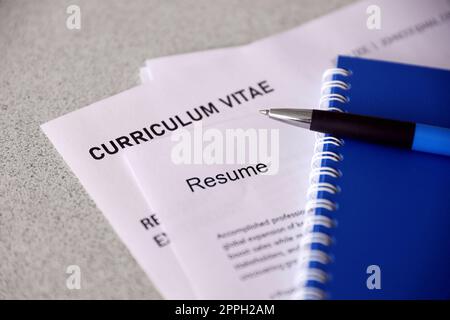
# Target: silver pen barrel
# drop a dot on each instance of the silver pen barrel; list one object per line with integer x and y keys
{"x": 297, "y": 117}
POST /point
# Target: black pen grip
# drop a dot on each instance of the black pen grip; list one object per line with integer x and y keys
{"x": 371, "y": 129}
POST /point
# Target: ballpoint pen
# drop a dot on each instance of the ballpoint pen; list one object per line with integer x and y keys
{"x": 402, "y": 134}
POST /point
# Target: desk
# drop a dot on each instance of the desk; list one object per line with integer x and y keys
{"x": 47, "y": 220}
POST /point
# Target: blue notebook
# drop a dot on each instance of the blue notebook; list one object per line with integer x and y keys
{"x": 390, "y": 208}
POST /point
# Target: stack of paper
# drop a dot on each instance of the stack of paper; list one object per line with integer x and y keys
{"x": 207, "y": 194}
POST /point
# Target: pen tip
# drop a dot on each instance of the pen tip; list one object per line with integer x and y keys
{"x": 264, "y": 112}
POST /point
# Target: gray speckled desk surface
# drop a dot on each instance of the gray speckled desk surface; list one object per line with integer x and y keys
{"x": 47, "y": 220}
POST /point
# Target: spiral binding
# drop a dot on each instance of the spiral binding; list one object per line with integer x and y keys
{"x": 319, "y": 210}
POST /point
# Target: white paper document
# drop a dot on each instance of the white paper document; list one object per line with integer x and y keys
{"x": 235, "y": 227}
{"x": 162, "y": 222}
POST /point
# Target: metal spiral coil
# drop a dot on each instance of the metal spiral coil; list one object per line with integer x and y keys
{"x": 311, "y": 234}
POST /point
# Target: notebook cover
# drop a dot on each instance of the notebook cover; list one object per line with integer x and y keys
{"x": 393, "y": 210}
